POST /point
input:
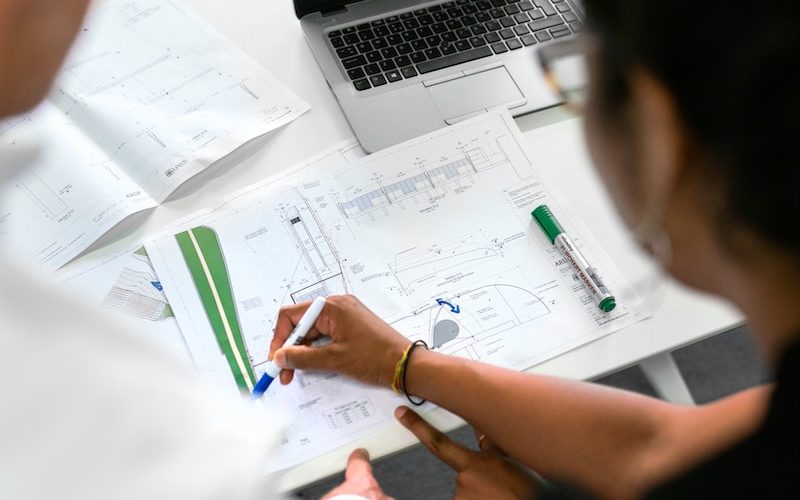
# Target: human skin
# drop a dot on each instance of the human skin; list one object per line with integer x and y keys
{"x": 559, "y": 428}
{"x": 35, "y": 36}
{"x": 611, "y": 443}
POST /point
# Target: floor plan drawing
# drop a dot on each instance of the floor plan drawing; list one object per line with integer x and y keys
{"x": 433, "y": 235}
{"x": 33, "y": 185}
{"x": 317, "y": 251}
{"x": 287, "y": 231}
{"x": 149, "y": 96}
{"x": 159, "y": 65}
{"x": 470, "y": 322}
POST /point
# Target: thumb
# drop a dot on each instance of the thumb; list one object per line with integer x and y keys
{"x": 358, "y": 465}
{"x": 304, "y": 357}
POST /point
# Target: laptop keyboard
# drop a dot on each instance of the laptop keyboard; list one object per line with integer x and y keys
{"x": 425, "y": 40}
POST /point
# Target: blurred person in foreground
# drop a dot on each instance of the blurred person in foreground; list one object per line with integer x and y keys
{"x": 89, "y": 410}
{"x": 692, "y": 115}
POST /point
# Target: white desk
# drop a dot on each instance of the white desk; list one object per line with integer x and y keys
{"x": 268, "y": 31}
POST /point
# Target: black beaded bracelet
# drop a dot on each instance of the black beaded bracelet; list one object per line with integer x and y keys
{"x": 408, "y": 357}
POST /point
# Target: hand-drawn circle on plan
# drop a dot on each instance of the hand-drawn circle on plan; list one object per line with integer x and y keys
{"x": 444, "y": 331}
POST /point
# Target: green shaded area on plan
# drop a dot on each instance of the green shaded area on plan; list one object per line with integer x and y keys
{"x": 200, "y": 245}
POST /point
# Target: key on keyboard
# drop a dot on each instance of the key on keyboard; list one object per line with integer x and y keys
{"x": 393, "y": 48}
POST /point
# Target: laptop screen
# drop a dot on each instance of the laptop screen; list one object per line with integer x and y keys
{"x": 304, "y": 7}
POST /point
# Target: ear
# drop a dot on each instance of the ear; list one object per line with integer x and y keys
{"x": 661, "y": 144}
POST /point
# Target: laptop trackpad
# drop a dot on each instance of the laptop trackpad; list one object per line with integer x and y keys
{"x": 476, "y": 92}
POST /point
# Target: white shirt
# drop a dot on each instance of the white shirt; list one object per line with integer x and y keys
{"x": 89, "y": 410}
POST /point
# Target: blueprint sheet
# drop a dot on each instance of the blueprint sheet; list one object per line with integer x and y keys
{"x": 434, "y": 235}
{"x": 126, "y": 284}
{"x": 149, "y": 97}
{"x": 121, "y": 278}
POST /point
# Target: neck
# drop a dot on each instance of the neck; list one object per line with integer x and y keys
{"x": 764, "y": 283}
{"x": 771, "y": 301}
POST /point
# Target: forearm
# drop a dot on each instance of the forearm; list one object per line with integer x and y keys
{"x": 606, "y": 441}
{"x": 589, "y": 435}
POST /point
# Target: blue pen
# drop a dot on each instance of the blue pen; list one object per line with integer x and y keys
{"x": 297, "y": 337}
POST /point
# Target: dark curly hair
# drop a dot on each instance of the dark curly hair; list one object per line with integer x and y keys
{"x": 734, "y": 70}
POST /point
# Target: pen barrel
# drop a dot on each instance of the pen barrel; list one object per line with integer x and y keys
{"x": 271, "y": 369}
{"x": 298, "y": 335}
{"x": 306, "y": 323}
{"x": 586, "y": 273}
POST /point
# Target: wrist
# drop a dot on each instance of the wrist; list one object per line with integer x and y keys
{"x": 395, "y": 357}
{"x": 417, "y": 366}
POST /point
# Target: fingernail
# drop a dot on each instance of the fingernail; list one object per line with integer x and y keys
{"x": 400, "y": 412}
{"x": 363, "y": 452}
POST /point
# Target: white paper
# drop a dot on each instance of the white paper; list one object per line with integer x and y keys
{"x": 125, "y": 283}
{"x": 434, "y": 235}
{"x": 149, "y": 97}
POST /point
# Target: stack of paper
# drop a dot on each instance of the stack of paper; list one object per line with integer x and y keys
{"x": 149, "y": 97}
{"x": 435, "y": 235}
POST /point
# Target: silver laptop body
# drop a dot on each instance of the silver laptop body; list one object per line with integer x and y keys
{"x": 347, "y": 38}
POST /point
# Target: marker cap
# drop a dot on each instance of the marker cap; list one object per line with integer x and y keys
{"x": 608, "y": 304}
{"x": 547, "y": 221}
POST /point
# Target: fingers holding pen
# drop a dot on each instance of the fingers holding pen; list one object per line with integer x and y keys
{"x": 306, "y": 357}
{"x": 361, "y": 345}
{"x": 288, "y": 317}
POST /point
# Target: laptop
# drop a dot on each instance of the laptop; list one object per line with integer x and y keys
{"x": 403, "y": 68}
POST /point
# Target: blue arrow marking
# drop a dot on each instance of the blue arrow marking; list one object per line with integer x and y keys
{"x": 453, "y": 309}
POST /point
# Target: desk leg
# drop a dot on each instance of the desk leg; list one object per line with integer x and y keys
{"x": 662, "y": 372}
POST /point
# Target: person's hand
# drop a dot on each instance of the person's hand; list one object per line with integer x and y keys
{"x": 358, "y": 479}
{"x": 488, "y": 473}
{"x": 362, "y": 346}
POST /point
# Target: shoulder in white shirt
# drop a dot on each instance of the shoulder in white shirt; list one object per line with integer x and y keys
{"x": 92, "y": 411}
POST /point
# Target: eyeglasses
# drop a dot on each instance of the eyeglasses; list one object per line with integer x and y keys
{"x": 564, "y": 65}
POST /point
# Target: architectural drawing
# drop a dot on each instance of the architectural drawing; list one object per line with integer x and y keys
{"x": 42, "y": 194}
{"x": 434, "y": 235}
{"x": 306, "y": 249}
{"x": 138, "y": 293}
{"x": 419, "y": 265}
{"x": 149, "y": 96}
{"x": 427, "y": 181}
{"x": 124, "y": 282}
{"x": 471, "y": 321}
{"x": 317, "y": 251}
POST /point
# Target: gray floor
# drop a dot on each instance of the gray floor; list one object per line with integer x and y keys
{"x": 713, "y": 368}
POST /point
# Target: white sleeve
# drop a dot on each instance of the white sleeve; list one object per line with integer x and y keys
{"x": 93, "y": 412}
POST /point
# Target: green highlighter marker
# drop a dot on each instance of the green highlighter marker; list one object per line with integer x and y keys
{"x": 586, "y": 273}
